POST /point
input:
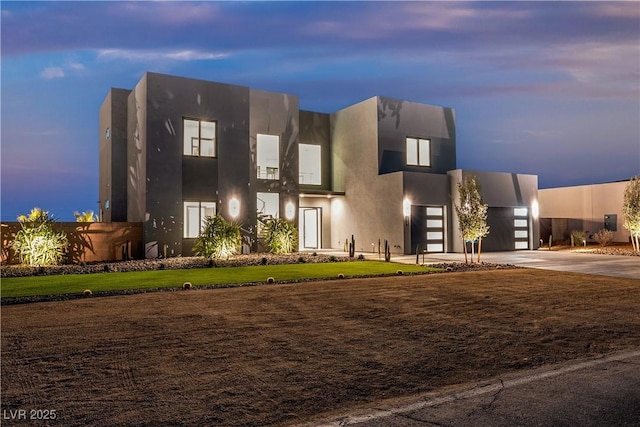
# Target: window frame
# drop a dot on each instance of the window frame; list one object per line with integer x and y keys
{"x": 417, "y": 154}
{"x": 200, "y": 206}
{"x": 267, "y": 174}
{"x": 302, "y": 173}
{"x": 199, "y": 138}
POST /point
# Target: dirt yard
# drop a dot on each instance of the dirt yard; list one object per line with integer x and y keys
{"x": 286, "y": 354}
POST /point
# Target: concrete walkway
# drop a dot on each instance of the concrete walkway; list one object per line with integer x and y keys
{"x": 598, "y": 392}
{"x": 603, "y": 265}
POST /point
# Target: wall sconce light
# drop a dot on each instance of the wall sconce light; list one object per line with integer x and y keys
{"x": 406, "y": 210}
{"x": 535, "y": 209}
{"x": 234, "y": 208}
{"x": 289, "y": 211}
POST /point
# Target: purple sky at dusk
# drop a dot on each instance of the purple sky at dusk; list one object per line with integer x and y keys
{"x": 546, "y": 88}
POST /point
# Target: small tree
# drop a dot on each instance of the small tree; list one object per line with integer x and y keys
{"x": 37, "y": 242}
{"x": 281, "y": 236}
{"x": 218, "y": 239}
{"x": 87, "y": 216}
{"x": 472, "y": 215}
{"x": 631, "y": 211}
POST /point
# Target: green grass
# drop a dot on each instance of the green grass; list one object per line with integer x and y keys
{"x": 77, "y": 283}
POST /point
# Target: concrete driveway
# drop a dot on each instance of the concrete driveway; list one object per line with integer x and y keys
{"x": 598, "y": 392}
{"x": 603, "y": 265}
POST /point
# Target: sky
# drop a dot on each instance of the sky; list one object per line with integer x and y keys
{"x": 544, "y": 88}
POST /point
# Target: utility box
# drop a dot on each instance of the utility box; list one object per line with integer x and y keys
{"x": 611, "y": 222}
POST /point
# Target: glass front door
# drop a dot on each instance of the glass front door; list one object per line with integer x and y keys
{"x": 310, "y": 228}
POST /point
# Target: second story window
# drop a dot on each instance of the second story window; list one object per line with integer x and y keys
{"x": 310, "y": 164}
{"x": 268, "y": 156}
{"x": 418, "y": 152}
{"x": 199, "y": 138}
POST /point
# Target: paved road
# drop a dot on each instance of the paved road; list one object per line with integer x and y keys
{"x": 599, "y": 392}
{"x": 604, "y": 265}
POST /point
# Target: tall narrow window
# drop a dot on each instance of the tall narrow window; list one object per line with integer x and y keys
{"x": 199, "y": 138}
{"x": 194, "y": 216}
{"x": 268, "y": 156}
{"x": 418, "y": 152}
{"x": 310, "y": 164}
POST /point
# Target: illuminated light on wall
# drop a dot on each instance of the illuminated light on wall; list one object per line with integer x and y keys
{"x": 336, "y": 206}
{"x": 234, "y": 208}
{"x": 290, "y": 211}
{"x": 406, "y": 208}
{"x": 535, "y": 209}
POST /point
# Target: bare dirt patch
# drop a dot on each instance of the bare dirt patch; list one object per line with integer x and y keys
{"x": 286, "y": 354}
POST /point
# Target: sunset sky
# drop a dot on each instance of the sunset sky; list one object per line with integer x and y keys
{"x": 546, "y": 88}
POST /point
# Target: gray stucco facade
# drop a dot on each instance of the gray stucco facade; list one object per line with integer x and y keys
{"x": 382, "y": 169}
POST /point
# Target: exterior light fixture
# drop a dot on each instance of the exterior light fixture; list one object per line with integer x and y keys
{"x": 234, "y": 207}
{"x": 290, "y": 211}
{"x": 406, "y": 210}
{"x": 535, "y": 209}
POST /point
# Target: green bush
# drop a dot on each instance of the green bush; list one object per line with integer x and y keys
{"x": 281, "y": 236}
{"x": 578, "y": 237}
{"x": 87, "y": 216}
{"x": 37, "y": 242}
{"x": 218, "y": 239}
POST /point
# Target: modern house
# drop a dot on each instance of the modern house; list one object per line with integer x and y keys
{"x": 174, "y": 150}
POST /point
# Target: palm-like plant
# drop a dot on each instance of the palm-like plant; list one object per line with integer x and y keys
{"x": 37, "y": 242}
{"x": 218, "y": 239}
{"x": 87, "y": 216}
{"x": 281, "y": 236}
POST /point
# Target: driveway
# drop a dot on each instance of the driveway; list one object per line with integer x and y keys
{"x": 603, "y": 265}
{"x": 598, "y": 392}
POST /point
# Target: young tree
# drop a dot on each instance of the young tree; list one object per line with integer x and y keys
{"x": 472, "y": 215}
{"x": 631, "y": 211}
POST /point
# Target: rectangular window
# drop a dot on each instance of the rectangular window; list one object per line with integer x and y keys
{"x": 199, "y": 138}
{"x": 310, "y": 164}
{"x": 268, "y": 156}
{"x": 418, "y": 152}
{"x": 268, "y": 204}
{"x": 194, "y": 216}
{"x": 520, "y": 212}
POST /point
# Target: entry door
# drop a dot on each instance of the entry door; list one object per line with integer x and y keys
{"x": 310, "y": 227}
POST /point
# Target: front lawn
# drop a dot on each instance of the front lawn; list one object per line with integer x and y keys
{"x": 77, "y": 283}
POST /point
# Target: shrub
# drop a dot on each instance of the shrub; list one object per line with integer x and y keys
{"x": 603, "y": 237}
{"x": 37, "y": 242}
{"x": 578, "y": 237}
{"x": 281, "y": 236}
{"x": 218, "y": 239}
{"x": 87, "y": 216}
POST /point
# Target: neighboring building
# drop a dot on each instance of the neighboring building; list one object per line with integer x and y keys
{"x": 382, "y": 169}
{"x": 586, "y": 208}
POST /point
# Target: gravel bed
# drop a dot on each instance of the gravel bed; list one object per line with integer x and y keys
{"x": 178, "y": 263}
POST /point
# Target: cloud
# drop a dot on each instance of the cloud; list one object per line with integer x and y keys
{"x": 62, "y": 71}
{"x": 159, "y": 55}
{"x": 52, "y": 73}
